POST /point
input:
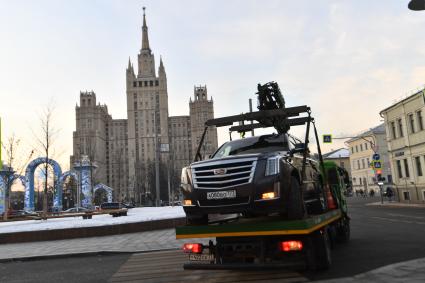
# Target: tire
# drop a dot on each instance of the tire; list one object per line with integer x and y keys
{"x": 319, "y": 255}
{"x": 197, "y": 220}
{"x": 343, "y": 231}
{"x": 295, "y": 202}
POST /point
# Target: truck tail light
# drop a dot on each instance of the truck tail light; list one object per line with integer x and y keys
{"x": 289, "y": 246}
{"x": 192, "y": 248}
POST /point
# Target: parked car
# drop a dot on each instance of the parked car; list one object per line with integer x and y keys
{"x": 111, "y": 205}
{"x": 128, "y": 205}
{"x": 74, "y": 209}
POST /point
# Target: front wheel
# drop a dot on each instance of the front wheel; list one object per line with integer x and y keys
{"x": 343, "y": 231}
{"x": 295, "y": 202}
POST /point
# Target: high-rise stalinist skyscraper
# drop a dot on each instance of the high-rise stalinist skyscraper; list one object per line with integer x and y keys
{"x": 147, "y": 111}
{"x": 127, "y": 146}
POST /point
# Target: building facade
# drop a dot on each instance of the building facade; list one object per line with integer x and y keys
{"x": 125, "y": 150}
{"x": 341, "y": 157}
{"x": 406, "y": 145}
{"x": 361, "y": 149}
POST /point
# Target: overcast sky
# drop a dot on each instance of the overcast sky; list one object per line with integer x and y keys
{"x": 346, "y": 59}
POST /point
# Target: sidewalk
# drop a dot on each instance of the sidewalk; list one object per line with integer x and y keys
{"x": 132, "y": 242}
{"x": 408, "y": 271}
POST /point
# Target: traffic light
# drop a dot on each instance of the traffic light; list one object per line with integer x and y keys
{"x": 379, "y": 177}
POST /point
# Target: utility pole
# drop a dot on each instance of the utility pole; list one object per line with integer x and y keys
{"x": 250, "y": 110}
{"x": 157, "y": 197}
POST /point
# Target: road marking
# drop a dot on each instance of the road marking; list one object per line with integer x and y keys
{"x": 407, "y": 216}
{"x": 399, "y": 220}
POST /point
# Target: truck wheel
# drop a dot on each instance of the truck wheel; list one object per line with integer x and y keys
{"x": 343, "y": 231}
{"x": 197, "y": 220}
{"x": 319, "y": 254}
{"x": 295, "y": 203}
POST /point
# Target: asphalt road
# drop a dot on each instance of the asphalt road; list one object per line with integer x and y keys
{"x": 380, "y": 236}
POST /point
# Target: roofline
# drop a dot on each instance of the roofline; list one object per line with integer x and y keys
{"x": 403, "y": 100}
{"x": 368, "y": 133}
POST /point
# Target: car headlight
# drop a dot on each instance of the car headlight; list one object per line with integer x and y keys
{"x": 184, "y": 178}
{"x": 272, "y": 166}
{"x": 185, "y": 181}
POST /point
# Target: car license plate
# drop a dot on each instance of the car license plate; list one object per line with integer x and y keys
{"x": 221, "y": 194}
{"x": 201, "y": 257}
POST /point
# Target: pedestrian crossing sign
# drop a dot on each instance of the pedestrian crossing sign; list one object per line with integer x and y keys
{"x": 327, "y": 138}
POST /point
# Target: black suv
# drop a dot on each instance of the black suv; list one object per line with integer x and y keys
{"x": 253, "y": 176}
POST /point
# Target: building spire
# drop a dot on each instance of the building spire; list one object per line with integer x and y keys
{"x": 145, "y": 39}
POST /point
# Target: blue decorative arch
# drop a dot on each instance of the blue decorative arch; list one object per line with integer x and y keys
{"x": 104, "y": 187}
{"x": 29, "y": 187}
{"x": 67, "y": 174}
{"x": 15, "y": 177}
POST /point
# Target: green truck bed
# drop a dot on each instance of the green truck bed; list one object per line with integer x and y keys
{"x": 259, "y": 227}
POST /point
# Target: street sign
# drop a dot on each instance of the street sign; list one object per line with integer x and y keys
{"x": 376, "y": 156}
{"x": 327, "y": 138}
{"x": 377, "y": 164}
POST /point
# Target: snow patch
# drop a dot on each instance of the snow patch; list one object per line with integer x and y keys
{"x": 135, "y": 215}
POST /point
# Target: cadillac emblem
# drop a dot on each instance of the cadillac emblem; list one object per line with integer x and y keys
{"x": 220, "y": 171}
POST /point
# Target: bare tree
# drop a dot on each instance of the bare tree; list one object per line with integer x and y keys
{"x": 14, "y": 163}
{"x": 45, "y": 141}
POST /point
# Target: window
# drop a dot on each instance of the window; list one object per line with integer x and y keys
{"x": 363, "y": 166}
{"x": 420, "y": 121}
{"x": 368, "y": 162}
{"x": 361, "y": 147}
{"x": 418, "y": 165}
{"x": 400, "y": 173}
{"x": 151, "y": 83}
{"x": 400, "y": 128}
{"x": 357, "y": 148}
{"x": 412, "y": 123}
{"x": 134, "y": 84}
{"x": 352, "y": 150}
{"x": 146, "y": 83}
{"x": 393, "y": 130}
{"x": 360, "y": 179}
{"x": 406, "y": 168}
{"x": 365, "y": 146}
{"x": 406, "y": 195}
{"x": 140, "y": 84}
{"x": 358, "y": 164}
{"x": 156, "y": 83}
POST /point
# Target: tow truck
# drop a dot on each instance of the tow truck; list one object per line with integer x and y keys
{"x": 271, "y": 240}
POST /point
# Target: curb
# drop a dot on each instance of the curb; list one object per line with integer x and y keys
{"x": 94, "y": 231}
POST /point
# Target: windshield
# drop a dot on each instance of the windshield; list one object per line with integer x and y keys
{"x": 253, "y": 145}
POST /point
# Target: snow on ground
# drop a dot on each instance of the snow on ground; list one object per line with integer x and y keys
{"x": 134, "y": 215}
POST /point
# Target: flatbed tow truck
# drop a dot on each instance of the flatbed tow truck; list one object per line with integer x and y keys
{"x": 273, "y": 241}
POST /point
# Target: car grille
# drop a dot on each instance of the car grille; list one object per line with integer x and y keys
{"x": 224, "y": 174}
